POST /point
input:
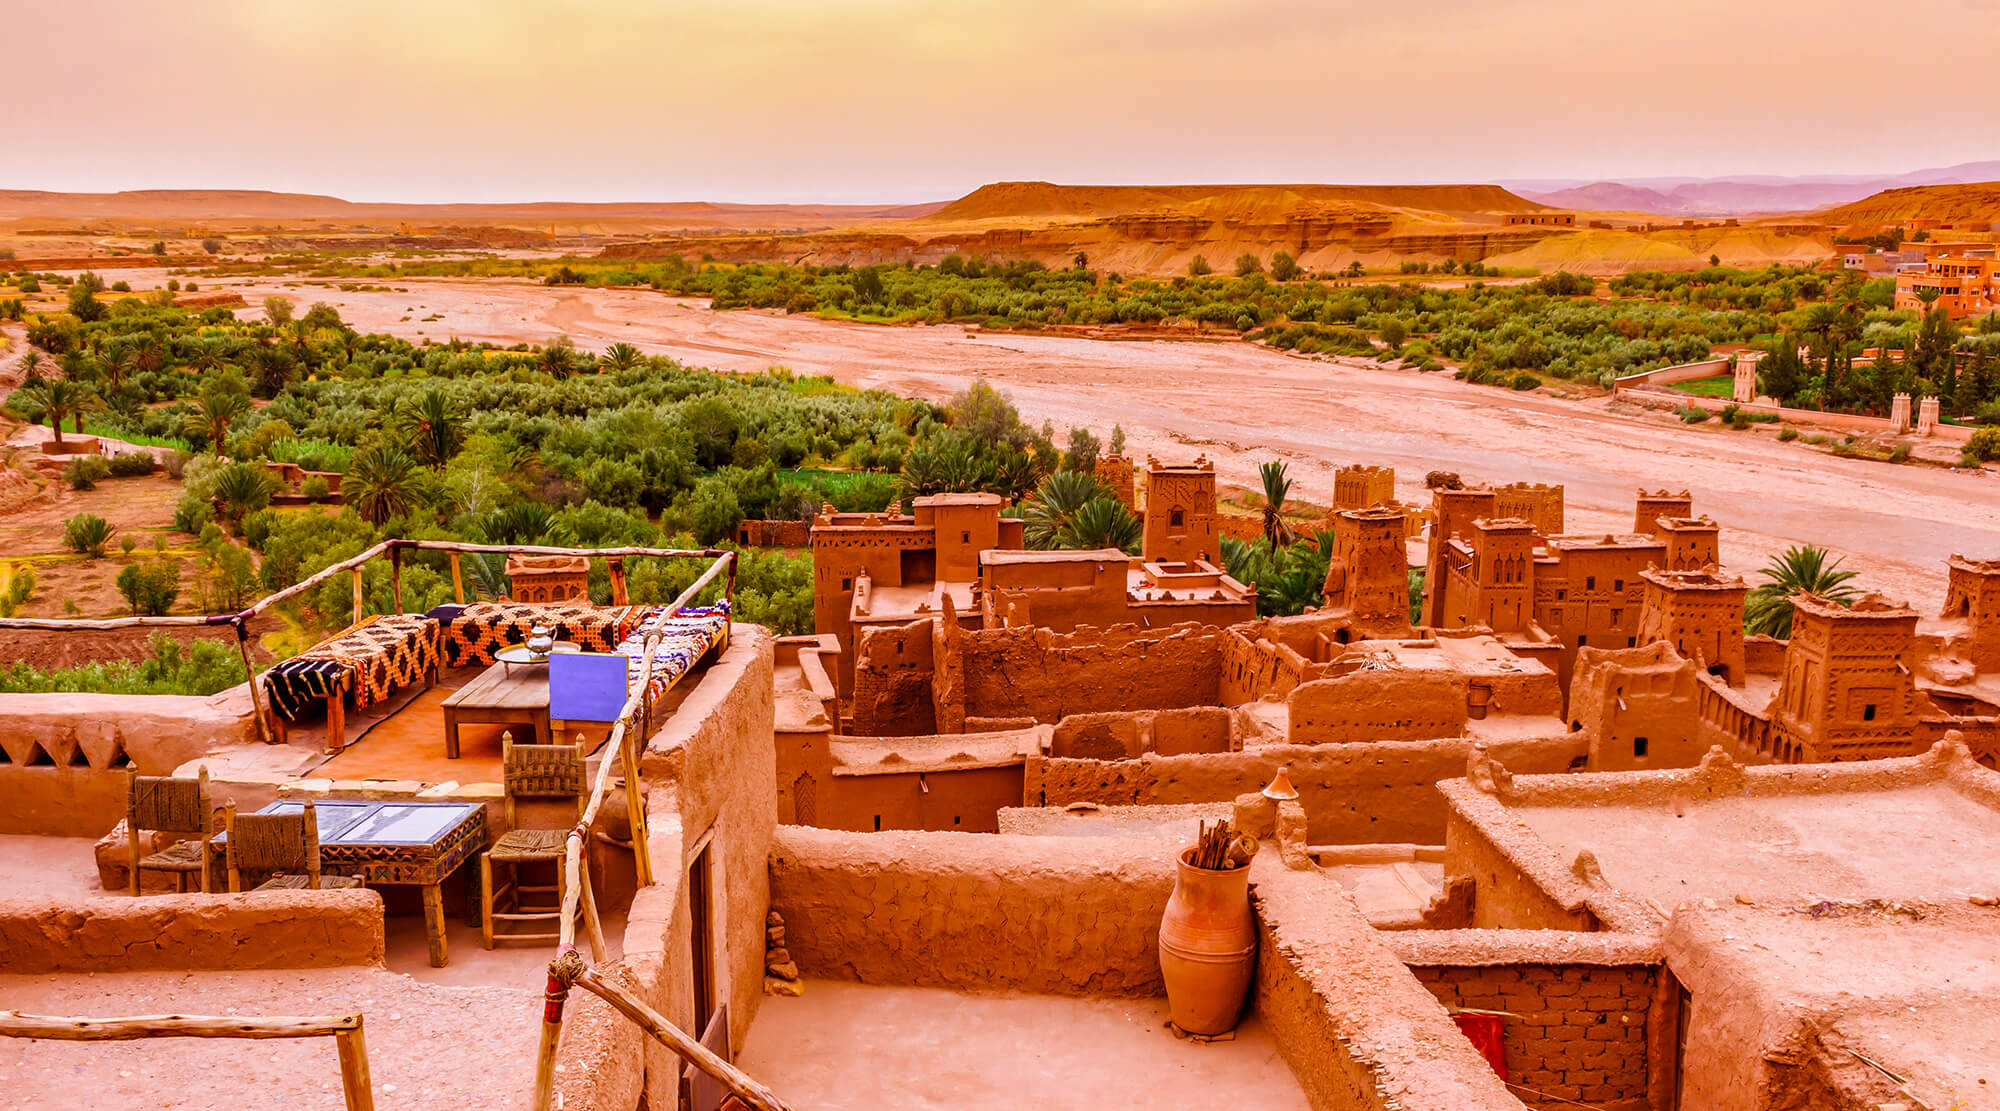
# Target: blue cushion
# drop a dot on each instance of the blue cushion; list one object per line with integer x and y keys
{"x": 586, "y": 686}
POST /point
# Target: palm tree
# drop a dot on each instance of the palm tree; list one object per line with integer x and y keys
{"x": 557, "y": 360}
{"x": 1802, "y": 569}
{"x": 1276, "y": 489}
{"x": 1103, "y": 523}
{"x": 59, "y": 399}
{"x": 220, "y": 403}
{"x": 621, "y": 357}
{"x": 384, "y": 481}
{"x": 434, "y": 426}
{"x": 31, "y": 366}
{"x": 1048, "y": 517}
{"x": 242, "y": 489}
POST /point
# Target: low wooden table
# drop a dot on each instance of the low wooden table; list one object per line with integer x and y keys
{"x": 503, "y": 694}
{"x": 395, "y": 842}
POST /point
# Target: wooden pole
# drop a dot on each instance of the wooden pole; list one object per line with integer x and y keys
{"x": 616, "y": 565}
{"x": 593, "y": 927}
{"x": 457, "y": 580}
{"x": 563, "y": 972}
{"x": 15, "y": 1024}
{"x": 354, "y": 1081}
{"x": 635, "y": 809}
{"x": 249, "y": 672}
{"x": 688, "y": 1049}
{"x": 396, "y": 577}
{"x": 359, "y": 604}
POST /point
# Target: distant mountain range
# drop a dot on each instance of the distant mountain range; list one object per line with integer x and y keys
{"x": 1737, "y": 196}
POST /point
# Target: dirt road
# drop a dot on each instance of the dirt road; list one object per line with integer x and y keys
{"x": 1242, "y": 404}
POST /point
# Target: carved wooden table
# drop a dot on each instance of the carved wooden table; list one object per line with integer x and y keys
{"x": 503, "y": 694}
{"x": 396, "y": 842}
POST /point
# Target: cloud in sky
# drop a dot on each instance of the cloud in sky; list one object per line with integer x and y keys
{"x": 919, "y": 99}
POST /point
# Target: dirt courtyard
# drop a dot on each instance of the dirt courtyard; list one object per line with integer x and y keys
{"x": 849, "y": 1047}
{"x": 1242, "y": 404}
{"x": 489, "y": 1064}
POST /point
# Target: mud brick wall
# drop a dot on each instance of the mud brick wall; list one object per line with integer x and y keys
{"x": 1034, "y": 673}
{"x": 1579, "y": 1031}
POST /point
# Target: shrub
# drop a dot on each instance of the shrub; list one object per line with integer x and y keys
{"x": 17, "y": 584}
{"x": 1787, "y": 435}
{"x": 121, "y": 287}
{"x": 84, "y": 471}
{"x": 86, "y": 534}
{"x": 1899, "y": 454}
{"x": 150, "y": 588}
{"x": 1984, "y": 445}
{"x": 127, "y": 543}
{"x": 314, "y": 488}
{"x": 1523, "y": 380}
{"x": 1694, "y": 414}
{"x": 213, "y": 247}
{"x": 201, "y": 668}
{"x": 192, "y": 514}
{"x": 1968, "y": 460}
{"x": 29, "y": 284}
{"x": 176, "y": 463}
{"x": 132, "y": 463}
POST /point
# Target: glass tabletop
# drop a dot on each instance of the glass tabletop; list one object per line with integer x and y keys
{"x": 379, "y": 823}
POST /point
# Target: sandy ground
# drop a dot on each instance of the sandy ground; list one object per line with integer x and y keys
{"x": 853, "y": 1046}
{"x": 489, "y": 1032}
{"x": 1242, "y": 404}
{"x": 55, "y": 868}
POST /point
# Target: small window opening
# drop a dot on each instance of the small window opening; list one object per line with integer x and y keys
{"x": 1638, "y": 746}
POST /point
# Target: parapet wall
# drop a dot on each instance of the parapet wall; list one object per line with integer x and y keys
{"x": 1357, "y": 1029}
{"x": 974, "y": 912}
{"x": 1127, "y": 735}
{"x": 1033, "y": 673}
{"x": 268, "y": 929}
{"x": 1352, "y": 793}
{"x": 710, "y": 776}
{"x": 64, "y": 758}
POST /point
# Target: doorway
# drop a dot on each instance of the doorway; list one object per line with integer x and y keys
{"x": 701, "y": 940}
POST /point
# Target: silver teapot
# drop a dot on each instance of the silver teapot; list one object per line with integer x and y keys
{"x": 541, "y": 640}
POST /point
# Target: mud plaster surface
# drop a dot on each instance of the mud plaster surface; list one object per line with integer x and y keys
{"x": 1909, "y": 842}
{"x": 427, "y": 1046}
{"x": 63, "y": 868}
{"x": 1242, "y": 404}
{"x": 852, "y": 1046}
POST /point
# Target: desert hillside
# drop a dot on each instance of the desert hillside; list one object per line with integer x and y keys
{"x": 225, "y": 205}
{"x": 1951, "y": 203}
{"x": 1019, "y": 200}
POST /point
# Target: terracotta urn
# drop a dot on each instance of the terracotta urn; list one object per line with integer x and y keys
{"x": 1208, "y": 948}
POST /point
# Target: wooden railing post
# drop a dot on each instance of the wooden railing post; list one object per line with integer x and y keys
{"x": 359, "y": 604}
{"x": 457, "y": 580}
{"x": 354, "y": 1081}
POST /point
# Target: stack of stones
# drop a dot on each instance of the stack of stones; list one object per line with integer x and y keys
{"x": 781, "y": 972}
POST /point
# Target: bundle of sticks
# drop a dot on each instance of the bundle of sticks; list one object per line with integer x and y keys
{"x": 1220, "y": 848}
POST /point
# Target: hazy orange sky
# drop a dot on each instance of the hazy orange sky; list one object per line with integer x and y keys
{"x": 857, "y": 100}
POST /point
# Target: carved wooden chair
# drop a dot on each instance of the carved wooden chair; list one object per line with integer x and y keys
{"x": 527, "y": 772}
{"x": 166, "y": 805}
{"x": 285, "y": 845}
